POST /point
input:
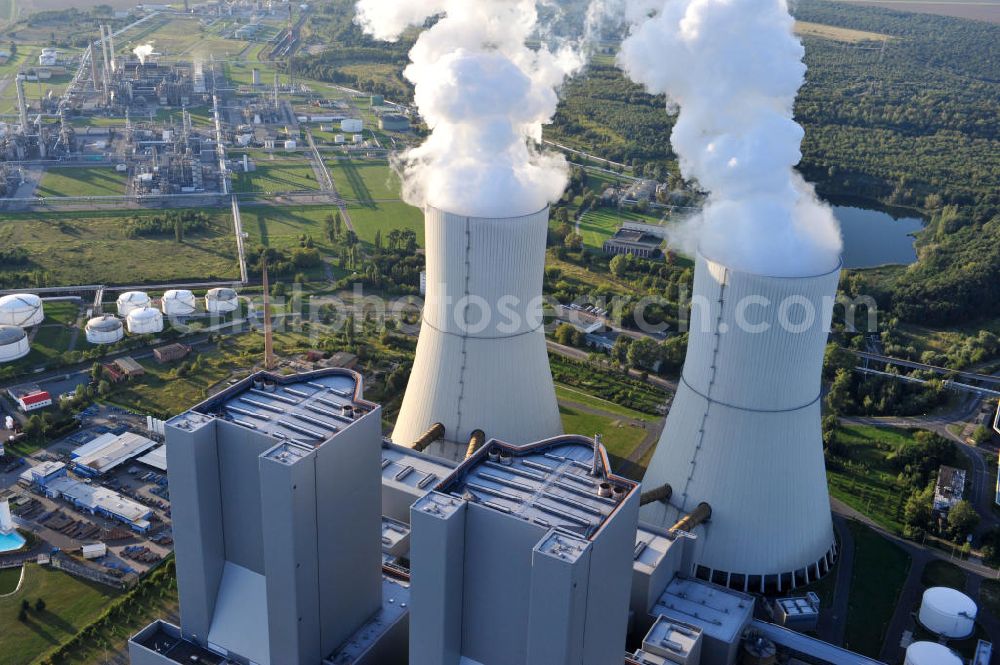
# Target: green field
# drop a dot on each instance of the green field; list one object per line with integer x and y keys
{"x": 279, "y": 175}
{"x": 386, "y": 217}
{"x": 364, "y": 181}
{"x": 9, "y": 578}
{"x": 90, "y": 248}
{"x": 82, "y": 181}
{"x": 598, "y": 225}
{"x": 70, "y": 604}
{"x": 880, "y": 569}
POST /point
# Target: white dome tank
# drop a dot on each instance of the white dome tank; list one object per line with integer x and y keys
{"x": 105, "y": 329}
{"x": 13, "y": 343}
{"x": 145, "y": 321}
{"x": 131, "y": 300}
{"x": 221, "y": 301}
{"x": 947, "y": 612}
{"x": 21, "y": 309}
{"x": 178, "y": 302}
{"x": 930, "y": 653}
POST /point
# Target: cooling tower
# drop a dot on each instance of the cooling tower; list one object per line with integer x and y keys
{"x": 481, "y": 361}
{"x": 743, "y": 433}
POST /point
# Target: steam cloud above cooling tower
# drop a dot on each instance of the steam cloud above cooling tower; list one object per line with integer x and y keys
{"x": 733, "y": 68}
{"x": 142, "y": 52}
{"x": 485, "y": 95}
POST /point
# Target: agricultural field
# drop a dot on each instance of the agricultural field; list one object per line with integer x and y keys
{"x": 181, "y": 37}
{"x": 281, "y": 174}
{"x": 70, "y": 605}
{"x": 977, "y": 10}
{"x": 91, "y": 248}
{"x": 836, "y": 34}
{"x": 82, "y": 181}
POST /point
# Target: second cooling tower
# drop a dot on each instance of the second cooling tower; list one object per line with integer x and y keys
{"x": 481, "y": 362}
{"x": 743, "y": 433}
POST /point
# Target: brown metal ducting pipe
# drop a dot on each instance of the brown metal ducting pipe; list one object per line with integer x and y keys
{"x": 701, "y": 513}
{"x": 661, "y": 493}
{"x": 475, "y": 442}
{"x": 433, "y": 433}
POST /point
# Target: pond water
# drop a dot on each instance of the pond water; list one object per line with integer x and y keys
{"x": 874, "y": 238}
{"x": 11, "y": 541}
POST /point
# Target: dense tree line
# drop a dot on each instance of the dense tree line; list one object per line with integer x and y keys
{"x": 172, "y": 223}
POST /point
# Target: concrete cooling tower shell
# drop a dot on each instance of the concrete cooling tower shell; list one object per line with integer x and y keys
{"x": 131, "y": 300}
{"x": 144, "y": 321}
{"x": 481, "y": 361}
{"x": 105, "y": 329}
{"x": 13, "y": 343}
{"x": 178, "y": 303}
{"x": 221, "y": 301}
{"x": 21, "y": 309}
{"x": 743, "y": 433}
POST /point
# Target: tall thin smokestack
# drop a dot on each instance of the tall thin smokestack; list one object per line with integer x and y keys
{"x": 104, "y": 51}
{"x": 93, "y": 69}
{"x": 22, "y": 103}
{"x": 111, "y": 48}
{"x": 269, "y": 362}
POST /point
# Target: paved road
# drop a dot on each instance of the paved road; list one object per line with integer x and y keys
{"x": 833, "y": 623}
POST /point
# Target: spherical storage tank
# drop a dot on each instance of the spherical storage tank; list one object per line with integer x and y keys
{"x": 220, "y": 301}
{"x": 947, "y": 612}
{"x": 105, "y": 329}
{"x": 131, "y": 300}
{"x": 178, "y": 303}
{"x": 930, "y": 653}
{"x": 21, "y": 309}
{"x": 13, "y": 343}
{"x": 145, "y": 321}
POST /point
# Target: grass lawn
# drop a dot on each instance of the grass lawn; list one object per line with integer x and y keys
{"x": 942, "y": 573}
{"x": 386, "y": 217}
{"x": 620, "y": 437}
{"x": 277, "y": 176}
{"x": 364, "y": 181}
{"x": 989, "y": 596}
{"x": 64, "y": 312}
{"x": 9, "y": 578}
{"x": 869, "y": 483}
{"x": 596, "y": 226}
{"x": 880, "y": 569}
{"x": 70, "y": 604}
{"x": 82, "y": 181}
{"x": 569, "y": 394}
{"x": 90, "y": 248}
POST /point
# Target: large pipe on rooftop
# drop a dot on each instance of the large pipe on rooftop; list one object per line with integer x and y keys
{"x": 433, "y": 433}
{"x": 475, "y": 442}
{"x": 661, "y": 493}
{"x": 702, "y": 512}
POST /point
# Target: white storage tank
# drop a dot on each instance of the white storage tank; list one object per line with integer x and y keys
{"x": 13, "y": 343}
{"x": 290, "y": 144}
{"x": 930, "y": 653}
{"x": 221, "y": 301}
{"x": 105, "y": 329}
{"x": 339, "y": 138}
{"x": 178, "y": 302}
{"x": 131, "y": 300}
{"x": 357, "y": 138}
{"x": 947, "y": 612}
{"x": 351, "y": 125}
{"x": 21, "y": 309}
{"x": 145, "y": 321}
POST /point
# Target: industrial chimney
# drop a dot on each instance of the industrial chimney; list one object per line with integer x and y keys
{"x": 481, "y": 362}
{"x": 743, "y": 433}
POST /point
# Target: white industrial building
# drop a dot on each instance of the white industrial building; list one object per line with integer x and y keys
{"x": 481, "y": 361}
{"x": 178, "y": 302}
{"x": 743, "y": 433}
{"x": 109, "y": 451}
{"x": 13, "y": 343}
{"x": 100, "y": 501}
{"x": 106, "y": 329}
{"x": 351, "y": 125}
{"x": 131, "y": 300}
{"x": 144, "y": 321}
{"x": 221, "y": 301}
{"x": 21, "y": 309}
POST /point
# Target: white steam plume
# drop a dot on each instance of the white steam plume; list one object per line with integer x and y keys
{"x": 485, "y": 95}
{"x": 142, "y": 52}
{"x": 733, "y": 68}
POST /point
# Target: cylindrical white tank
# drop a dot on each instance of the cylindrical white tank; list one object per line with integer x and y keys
{"x": 743, "y": 433}
{"x": 105, "y": 329}
{"x": 13, "y": 343}
{"x": 930, "y": 653}
{"x": 221, "y": 301}
{"x": 947, "y": 612}
{"x": 21, "y": 309}
{"x": 351, "y": 125}
{"x": 145, "y": 321}
{"x": 178, "y": 302}
{"x": 131, "y": 300}
{"x": 491, "y": 373}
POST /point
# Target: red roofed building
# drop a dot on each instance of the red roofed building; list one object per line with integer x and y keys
{"x": 32, "y": 401}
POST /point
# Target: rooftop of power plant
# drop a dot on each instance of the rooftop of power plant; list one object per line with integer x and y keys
{"x": 717, "y": 611}
{"x": 303, "y": 410}
{"x": 549, "y": 483}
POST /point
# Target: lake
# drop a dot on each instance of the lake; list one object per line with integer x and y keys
{"x": 873, "y": 238}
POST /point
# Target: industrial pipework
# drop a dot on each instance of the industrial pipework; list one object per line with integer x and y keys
{"x": 475, "y": 441}
{"x": 702, "y": 512}
{"x": 433, "y": 433}
{"x": 661, "y": 493}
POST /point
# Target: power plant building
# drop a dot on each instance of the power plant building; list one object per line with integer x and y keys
{"x": 481, "y": 361}
{"x": 743, "y": 432}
